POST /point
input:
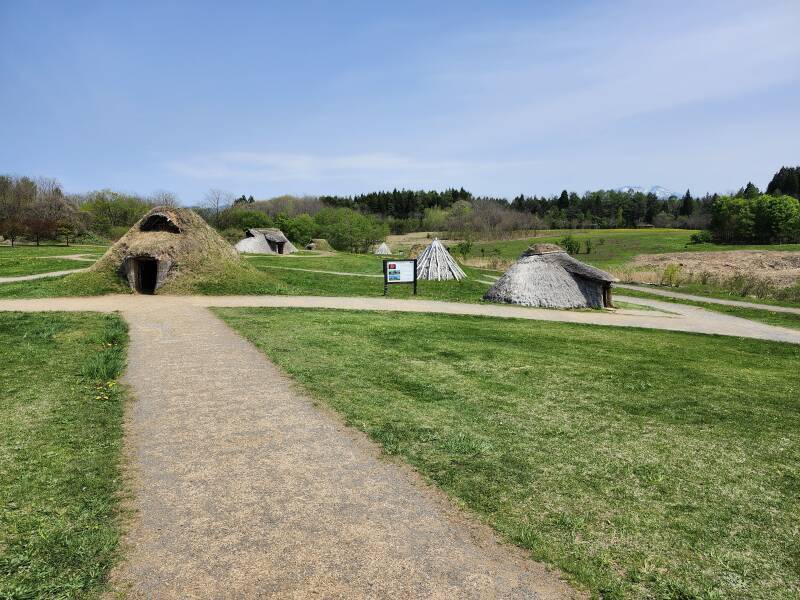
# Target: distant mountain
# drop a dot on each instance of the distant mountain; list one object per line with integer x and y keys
{"x": 661, "y": 193}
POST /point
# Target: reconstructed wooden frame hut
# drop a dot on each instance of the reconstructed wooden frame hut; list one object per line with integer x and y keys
{"x": 436, "y": 264}
{"x": 383, "y": 249}
{"x": 265, "y": 241}
{"x": 546, "y": 276}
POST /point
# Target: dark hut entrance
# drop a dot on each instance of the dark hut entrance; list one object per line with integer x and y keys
{"x": 146, "y": 270}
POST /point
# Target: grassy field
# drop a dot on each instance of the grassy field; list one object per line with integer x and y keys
{"x": 642, "y": 463}
{"x": 754, "y": 314}
{"x": 613, "y": 247}
{"x": 266, "y": 279}
{"x": 60, "y": 436}
{"x": 30, "y": 260}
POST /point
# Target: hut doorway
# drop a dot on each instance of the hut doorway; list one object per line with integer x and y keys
{"x": 146, "y": 270}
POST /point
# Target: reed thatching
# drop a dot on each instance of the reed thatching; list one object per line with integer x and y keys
{"x": 545, "y": 276}
{"x": 383, "y": 249}
{"x": 436, "y": 264}
{"x": 320, "y": 244}
{"x": 265, "y": 241}
{"x": 167, "y": 243}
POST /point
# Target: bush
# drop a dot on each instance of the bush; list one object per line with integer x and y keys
{"x": 701, "y": 237}
{"x": 671, "y": 276}
{"x": 570, "y": 244}
{"x": 463, "y": 248}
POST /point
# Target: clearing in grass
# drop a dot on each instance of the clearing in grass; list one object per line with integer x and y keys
{"x": 643, "y": 463}
{"x": 60, "y": 438}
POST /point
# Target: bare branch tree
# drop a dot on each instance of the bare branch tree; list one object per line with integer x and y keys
{"x": 216, "y": 201}
{"x": 164, "y": 198}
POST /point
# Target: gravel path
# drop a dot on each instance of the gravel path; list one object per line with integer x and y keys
{"x": 244, "y": 489}
{"x": 40, "y": 275}
{"x": 677, "y": 317}
{"x": 671, "y": 294}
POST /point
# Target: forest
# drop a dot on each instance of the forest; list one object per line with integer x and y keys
{"x": 36, "y": 209}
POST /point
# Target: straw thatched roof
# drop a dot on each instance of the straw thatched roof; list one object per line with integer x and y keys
{"x": 319, "y": 244}
{"x": 547, "y": 277}
{"x": 265, "y": 241}
{"x": 167, "y": 243}
{"x": 383, "y": 249}
{"x": 436, "y": 264}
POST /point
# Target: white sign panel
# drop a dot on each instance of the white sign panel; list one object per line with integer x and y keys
{"x": 400, "y": 271}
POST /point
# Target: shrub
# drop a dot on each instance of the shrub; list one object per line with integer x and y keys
{"x": 701, "y": 237}
{"x": 570, "y": 244}
{"x": 671, "y": 276}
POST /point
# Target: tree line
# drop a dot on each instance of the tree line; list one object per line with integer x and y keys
{"x": 38, "y": 209}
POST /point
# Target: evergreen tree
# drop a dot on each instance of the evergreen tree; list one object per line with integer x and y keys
{"x": 786, "y": 181}
{"x": 687, "y": 204}
{"x": 750, "y": 191}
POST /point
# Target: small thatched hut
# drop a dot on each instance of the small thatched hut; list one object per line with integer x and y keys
{"x": 383, "y": 249}
{"x": 547, "y": 277}
{"x": 436, "y": 264}
{"x": 164, "y": 244}
{"x": 319, "y": 244}
{"x": 265, "y": 241}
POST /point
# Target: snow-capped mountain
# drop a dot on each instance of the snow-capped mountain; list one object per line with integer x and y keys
{"x": 661, "y": 193}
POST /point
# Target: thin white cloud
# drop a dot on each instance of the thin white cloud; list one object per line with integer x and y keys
{"x": 279, "y": 167}
{"x": 589, "y": 74}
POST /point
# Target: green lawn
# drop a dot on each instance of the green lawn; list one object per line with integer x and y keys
{"x": 60, "y": 437}
{"x": 30, "y": 260}
{"x": 341, "y": 261}
{"x": 77, "y": 284}
{"x": 264, "y": 279}
{"x": 614, "y": 247}
{"x": 645, "y": 464}
{"x": 754, "y": 314}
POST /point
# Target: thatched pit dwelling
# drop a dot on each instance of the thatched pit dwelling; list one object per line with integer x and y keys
{"x": 164, "y": 244}
{"x": 545, "y": 276}
{"x": 265, "y": 241}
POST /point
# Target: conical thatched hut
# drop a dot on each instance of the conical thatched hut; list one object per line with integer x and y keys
{"x": 383, "y": 249}
{"x": 436, "y": 264}
{"x": 265, "y": 241}
{"x": 164, "y": 244}
{"x": 547, "y": 277}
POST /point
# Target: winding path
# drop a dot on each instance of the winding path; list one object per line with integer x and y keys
{"x": 15, "y": 278}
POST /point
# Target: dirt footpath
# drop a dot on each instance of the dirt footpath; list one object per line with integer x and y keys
{"x": 244, "y": 489}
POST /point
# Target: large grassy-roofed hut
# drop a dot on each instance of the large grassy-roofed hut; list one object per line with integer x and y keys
{"x": 166, "y": 244}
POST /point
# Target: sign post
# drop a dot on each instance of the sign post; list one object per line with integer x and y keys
{"x": 399, "y": 271}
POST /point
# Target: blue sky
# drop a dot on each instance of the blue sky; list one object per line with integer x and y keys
{"x": 347, "y": 97}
